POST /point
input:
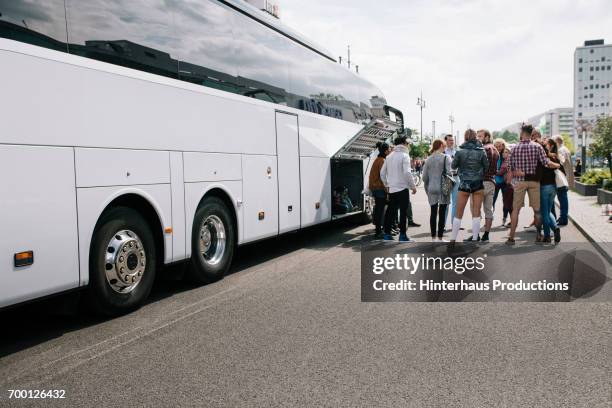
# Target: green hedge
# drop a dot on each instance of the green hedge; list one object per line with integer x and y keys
{"x": 607, "y": 185}
{"x": 595, "y": 177}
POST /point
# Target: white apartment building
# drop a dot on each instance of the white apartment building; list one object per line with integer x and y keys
{"x": 592, "y": 83}
{"x": 554, "y": 122}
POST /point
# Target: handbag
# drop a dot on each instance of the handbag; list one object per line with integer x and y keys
{"x": 447, "y": 181}
{"x": 560, "y": 179}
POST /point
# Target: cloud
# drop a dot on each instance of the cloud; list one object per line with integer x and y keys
{"x": 489, "y": 62}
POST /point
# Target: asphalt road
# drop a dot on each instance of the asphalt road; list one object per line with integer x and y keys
{"x": 287, "y": 328}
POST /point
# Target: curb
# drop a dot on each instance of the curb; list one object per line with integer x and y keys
{"x": 589, "y": 237}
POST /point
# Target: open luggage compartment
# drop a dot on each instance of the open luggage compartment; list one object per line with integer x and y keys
{"x": 348, "y": 165}
{"x": 347, "y": 186}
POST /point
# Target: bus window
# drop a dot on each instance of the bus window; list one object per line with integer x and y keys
{"x": 38, "y": 23}
{"x": 133, "y": 34}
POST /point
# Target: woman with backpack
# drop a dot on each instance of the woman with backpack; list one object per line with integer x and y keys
{"x": 438, "y": 184}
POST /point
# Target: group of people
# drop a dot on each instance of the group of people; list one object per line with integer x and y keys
{"x": 476, "y": 173}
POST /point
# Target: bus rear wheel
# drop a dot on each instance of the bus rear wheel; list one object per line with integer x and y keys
{"x": 213, "y": 241}
{"x": 122, "y": 262}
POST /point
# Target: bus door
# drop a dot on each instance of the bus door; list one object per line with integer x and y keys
{"x": 288, "y": 164}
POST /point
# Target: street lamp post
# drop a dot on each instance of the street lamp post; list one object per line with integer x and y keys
{"x": 422, "y": 104}
{"x": 551, "y": 125}
{"x": 433, "y": 129}
{"x": 584, "y": 126}
{"x": 451, "y": 119}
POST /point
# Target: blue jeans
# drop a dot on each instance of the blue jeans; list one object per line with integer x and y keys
{"x": 564, "y": 204}
{"x": 453, "y": 201}
{"x": 547, "y": 200}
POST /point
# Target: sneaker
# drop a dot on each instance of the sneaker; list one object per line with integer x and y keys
{"x": 546, "y": 240}
{"x": 531, "y": 228}
{"x": 470, "y": 239}
{"x": 503, "y": 222}
{"x": 508, "y": 225}
{"x": 404, "y": 238}
{"x": 388, "y": 237}
{"x": 434, "y": 239}
{"x": 485, "y": 237}
{"x": 510, "y": 241}
{"x": 441, "y": 239}
{"x": 413, "y": 224}
{"x": 557, "y": 233}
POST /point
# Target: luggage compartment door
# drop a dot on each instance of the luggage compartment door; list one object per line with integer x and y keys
{"x": 288, "y": 159}
{"x": 38, "y": 214}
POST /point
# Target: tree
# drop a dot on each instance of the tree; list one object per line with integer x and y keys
{"x": 508, "y": 136}
{"x": 569, "y": 143}
{"x": 419, "y": 150}
{"x": 602, "y": 140}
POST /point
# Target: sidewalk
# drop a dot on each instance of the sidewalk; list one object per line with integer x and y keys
{"x": 586, "y": 215}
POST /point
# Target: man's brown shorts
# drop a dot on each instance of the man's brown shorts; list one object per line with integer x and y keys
{"x": 532, "y": 188}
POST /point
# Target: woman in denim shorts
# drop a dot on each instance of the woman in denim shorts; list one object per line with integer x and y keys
{"x": 470, "y": 162}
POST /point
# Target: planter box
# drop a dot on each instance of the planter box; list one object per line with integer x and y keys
{"x": 604, "y": 197}
{"x": 586, "y": 189}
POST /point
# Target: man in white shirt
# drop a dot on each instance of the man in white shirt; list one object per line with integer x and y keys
{"x": 397, "y": 178}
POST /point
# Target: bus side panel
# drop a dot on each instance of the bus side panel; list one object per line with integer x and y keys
{"x": 115, "y": 110}
{"x": 92, "y": 202}
{"x": 37, "y": 213}
{"x": 260, "y": 195}
{"x": 316, "y": 190}
{"x": 324, "y": 137}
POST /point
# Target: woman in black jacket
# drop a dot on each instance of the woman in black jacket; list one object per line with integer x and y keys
{"x": 470, "y": 162}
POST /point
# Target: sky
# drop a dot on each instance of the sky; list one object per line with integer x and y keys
{"x": 490, "y": 63}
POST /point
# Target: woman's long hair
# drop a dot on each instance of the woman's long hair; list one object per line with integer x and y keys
{"x": 382, "y": 149}
{"x": 436, "y": 145}
{"x": 553, "y": 148}
{"x": 470, "y": 134}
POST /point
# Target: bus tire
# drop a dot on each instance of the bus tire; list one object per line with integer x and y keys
{"x": 213, "y": 241}
{"x": 122, "y": 262}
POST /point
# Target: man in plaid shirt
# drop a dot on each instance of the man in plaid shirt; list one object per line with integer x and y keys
{"x": 522, "y": 167}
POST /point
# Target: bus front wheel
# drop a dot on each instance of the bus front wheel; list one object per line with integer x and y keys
{"x": 213, "y": 241}
{"x": 122, "y": 262}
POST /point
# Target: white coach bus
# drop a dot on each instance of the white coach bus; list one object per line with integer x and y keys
{"x": 138, "y": 133}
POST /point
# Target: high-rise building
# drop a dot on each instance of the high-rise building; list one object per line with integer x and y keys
{"x": 592, "y": 84}
{"x": 554, "y": 122}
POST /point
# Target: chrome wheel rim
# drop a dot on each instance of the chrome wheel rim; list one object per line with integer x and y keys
{"x": 125, "y": 261}
{"x": 212, "y": 239}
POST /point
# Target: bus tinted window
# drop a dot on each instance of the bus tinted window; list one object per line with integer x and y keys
{"x": 264, "y": 55}
{"x": 206, "y": 46}
{"x": 199, "y": 41}
{"x": 322, "y": 86}
{"x": 34, "y": 22}
{"x": 135, "y": 34}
